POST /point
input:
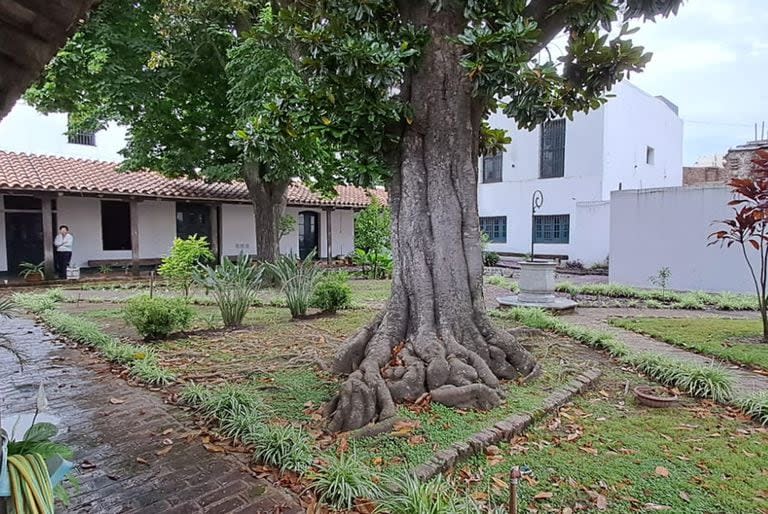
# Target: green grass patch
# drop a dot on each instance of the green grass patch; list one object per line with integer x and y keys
{"x": 610, "y": 446}
{"x": 717, "y": 337}
{"x": 499, "y": 281}
{"x": 291, "y": 393}
{"x": 656, "y": 298}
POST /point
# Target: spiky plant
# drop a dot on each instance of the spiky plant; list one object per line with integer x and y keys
{"x": 406, "y": 494}
{"x": 283, "y": 447}
{"x": 233, "y": 285}
{"x": 756, "y": 406}
{"x": 298, "y": 279}
{"x": 339, "y": 481}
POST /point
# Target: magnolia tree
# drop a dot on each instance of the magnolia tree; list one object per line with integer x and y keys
{"x": 200, "y": 96}
{"x": 748, "y": 228}
{"x": 410, "y": 83}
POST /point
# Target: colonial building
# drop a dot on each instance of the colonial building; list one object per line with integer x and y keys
{"x": 634, "y": 141}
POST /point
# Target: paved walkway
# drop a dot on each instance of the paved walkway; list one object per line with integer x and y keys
{"x": 117, "y": 431}
{"x": 746, "y": 381}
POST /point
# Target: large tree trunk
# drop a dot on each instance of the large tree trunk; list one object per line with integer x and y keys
{"x": 434, "y": 336}
{"x": 268, "y": 200}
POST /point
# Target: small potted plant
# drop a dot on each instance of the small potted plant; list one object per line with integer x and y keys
{"x": 32, "y": 272}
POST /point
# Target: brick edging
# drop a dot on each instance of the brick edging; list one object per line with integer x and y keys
{"x": 504, "y": 429}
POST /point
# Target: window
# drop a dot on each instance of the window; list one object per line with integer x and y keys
{"x": 81, "y": 137}
{"x": 495, "y": 227}
{"x": 115, "y": 225}
{"x": 492, "y": 168}
{"x": 551, "y": 229}
{"x": 650, "y": 155}
{"x": 193, "y": 219}
{"x": 552, "y": 149}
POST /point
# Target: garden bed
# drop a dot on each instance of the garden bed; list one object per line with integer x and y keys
{"x": 738, "y": 341}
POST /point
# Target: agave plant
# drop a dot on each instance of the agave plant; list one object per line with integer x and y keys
{"x": 233, "y": 285}
{"x": 298, "y": 279}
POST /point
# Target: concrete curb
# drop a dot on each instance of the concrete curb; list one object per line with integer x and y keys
{"x": 504, "y": 429}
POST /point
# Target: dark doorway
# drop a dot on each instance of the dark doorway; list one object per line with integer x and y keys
{"x": 308, "y": 234}
{"x": 193, "y": 219}
{"x": 23, "y": 238}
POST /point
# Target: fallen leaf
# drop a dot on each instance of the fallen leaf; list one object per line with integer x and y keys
{"x": 416, "y": 439}
{"x": 116, "y": 401}
{"x": 656, "y": 506}
{"x": 163, "y": 451}
{"x": 566, "y": 510}
{"x": 86, "y": 464}
{"x": 601, "y": 502}
{"x": 167, "y": 442}
{"x": 589, "y": 450}
{"x": 501, "y": 484}
{"x": 213, "y": 448}
{"x": 543, "y": 495}
{"x": 142, "y": 461}
{"x": 167, "y": 431}
{"x": 662, "y": 471}
{"x": 684, "y": 496}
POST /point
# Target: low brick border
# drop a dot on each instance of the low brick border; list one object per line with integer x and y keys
{"x": 505, "y": 429}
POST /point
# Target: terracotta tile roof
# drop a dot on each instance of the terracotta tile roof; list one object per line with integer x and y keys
{"x": 23, "y": 172}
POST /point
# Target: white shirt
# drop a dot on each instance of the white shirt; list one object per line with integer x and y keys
{"x": 63, "y": 243}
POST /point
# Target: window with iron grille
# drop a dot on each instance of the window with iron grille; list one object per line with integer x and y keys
{"x": 551, "y": 229}
{"x": 82, "y": 137}
{"x": 492, "y": 168}
{"x": 552, "y": 149}
{"x": 495, "y": 227}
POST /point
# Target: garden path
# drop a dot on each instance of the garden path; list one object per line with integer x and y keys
{"x": 746, "y": 381}
{"x": 117, "y": 431}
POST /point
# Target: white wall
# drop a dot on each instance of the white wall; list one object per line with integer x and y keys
{"x": 635, "y": 120}
{"x": 590, "y": 242}
{"x": 3, "y": 252}
{"x": 157, "y": 228}
{"x": 26, "y": 130}
{"x": 655, "y": 228}
{"x": 83, "y": 217}
{"x": 238, "y": 230}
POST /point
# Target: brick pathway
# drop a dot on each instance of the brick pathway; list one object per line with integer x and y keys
{"x": 746, "y": 381}
{"x": 112, "y": 435}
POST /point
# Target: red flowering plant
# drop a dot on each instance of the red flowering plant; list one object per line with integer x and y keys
{"x": 748, "y": 228}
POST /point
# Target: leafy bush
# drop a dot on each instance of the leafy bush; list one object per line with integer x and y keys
{"x": 38, "y": 302}
{"x": 234, "y": 286}
{"x": 157, "y": 317}
{"x": 376, "y": 264}
{"x": 298, "y": 279}
{"x": 490, "y": 258}
{"x": 756, "y": 406}
{"x": 150, "y": 372}
{"x": 186, "y": 255}
{"x": 333, "y": 293}
{"x": 284, "y": 447}
{"x": 238, "y": 409}
{"x": 372, "y": 227}
{"x": 341, "y": 480}
{"x": 409, "y": 495}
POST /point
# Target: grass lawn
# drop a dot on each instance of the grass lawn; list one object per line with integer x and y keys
{"x": 733, "y": 340}
{"x": 605, "y": 453}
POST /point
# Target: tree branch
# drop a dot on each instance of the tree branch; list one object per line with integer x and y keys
{"x": 550, "y": 17}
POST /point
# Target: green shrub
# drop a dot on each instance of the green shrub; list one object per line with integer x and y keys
{"x": 157, "y": 317}
{"x": 233, "y": 285}
{"x": 284, "y": 447}
{"x": 332, "y": 293}
{"x": 376, "y": 264}
{"x": 490, "y": 258}
{"x": 186, "y": 255}
{"x": 238, "y": 409}
{"x": 408, "y": 495}
{"x": 756, "y": 406}
{"x": 298, "y": 279}
{"x": 341, "y": 480}
{"x": 38, "y": 302}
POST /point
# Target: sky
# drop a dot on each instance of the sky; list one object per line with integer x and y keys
{"x": 712, "y": 61}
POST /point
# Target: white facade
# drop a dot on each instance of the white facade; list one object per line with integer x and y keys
{"x": 157, "y": 229}
{"x": 28, "y": 131}
{"x": 633, "y": 141}
{"x": 669, "y": 227}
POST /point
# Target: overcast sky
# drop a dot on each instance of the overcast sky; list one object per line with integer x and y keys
{"x": 712, "y": 61}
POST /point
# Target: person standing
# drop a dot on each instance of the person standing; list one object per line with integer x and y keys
{"x": 63, "y": 244}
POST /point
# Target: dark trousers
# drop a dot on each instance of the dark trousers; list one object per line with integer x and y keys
{"x": 61, "y": 263}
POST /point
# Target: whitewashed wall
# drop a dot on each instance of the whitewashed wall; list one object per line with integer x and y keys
{"x": 3, "y": 251}
{"x": 655, "y": 228}
{"x": 26, "y": 130}
{"x": 603, "y": 149}
{"x": 238, "y": 229}
{"x": 635, "y": 120}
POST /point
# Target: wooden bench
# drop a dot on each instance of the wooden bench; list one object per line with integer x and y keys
{"x": 121, "y": 263}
